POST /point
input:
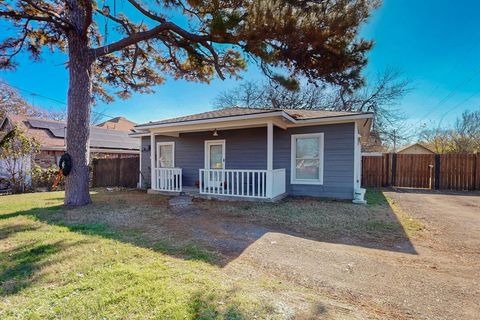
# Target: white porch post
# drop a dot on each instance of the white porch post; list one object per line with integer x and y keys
{"x": 153, "y": 180}
{"x": 269, "y": 159}
{"x": 270, "y": 146}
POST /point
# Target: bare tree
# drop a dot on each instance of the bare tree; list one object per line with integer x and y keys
{"x": 11, "y": 102}
{"x": 381, "y": 97}
{"x": 462, "y": 137}
{"x": 270, "y": 94}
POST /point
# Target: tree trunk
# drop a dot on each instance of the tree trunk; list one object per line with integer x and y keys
{"x": 78, "y": 123}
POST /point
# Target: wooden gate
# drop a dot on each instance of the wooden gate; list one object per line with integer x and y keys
{"x": 119, "y": 172}
{"x": 414, "y": 171}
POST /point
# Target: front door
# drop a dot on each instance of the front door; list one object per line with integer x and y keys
{"x": 215, "y": 160}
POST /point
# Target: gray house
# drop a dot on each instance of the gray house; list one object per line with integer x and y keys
{"x": 255, "y": 153}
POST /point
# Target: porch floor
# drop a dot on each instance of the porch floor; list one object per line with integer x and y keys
{"x": 194, "y": 192}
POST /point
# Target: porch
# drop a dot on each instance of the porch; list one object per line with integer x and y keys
{"x": 221, "y": 174}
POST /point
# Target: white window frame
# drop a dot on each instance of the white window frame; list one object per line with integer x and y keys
{"x": 169, "y": 143}
{"x": 293, "y": 159}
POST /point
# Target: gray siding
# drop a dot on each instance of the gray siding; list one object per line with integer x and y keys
{"x": 246, "y": 149}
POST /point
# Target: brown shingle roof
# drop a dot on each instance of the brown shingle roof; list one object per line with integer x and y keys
{"x": 297, "y": 114}
{"x": 117, "y": 123}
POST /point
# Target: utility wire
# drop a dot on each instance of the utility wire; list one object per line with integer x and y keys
{"x": 51, "y": 99}
{"x": 457, "y": 106}
{"x": 446, "y": 98}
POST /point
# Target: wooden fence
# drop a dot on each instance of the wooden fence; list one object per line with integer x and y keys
{"x": 119, "y": 172}
{"x": 445, "y": 171}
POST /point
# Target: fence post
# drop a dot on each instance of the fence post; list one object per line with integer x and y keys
{"x": 476, "y": 172}
{"x": 394, "y": 168}
{"x": 94, "y": 173}
{"x": 437, "y": 171}
{"x": 386, "y": 171}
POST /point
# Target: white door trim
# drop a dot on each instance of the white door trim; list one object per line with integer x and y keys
{"x": 207, "y": 153}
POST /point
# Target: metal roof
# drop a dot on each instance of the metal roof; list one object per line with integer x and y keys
{"x": 99, "y": 137}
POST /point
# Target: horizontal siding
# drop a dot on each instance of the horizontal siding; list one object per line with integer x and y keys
{"x": 246, "y": 149}
{"x": 338, "y": 160}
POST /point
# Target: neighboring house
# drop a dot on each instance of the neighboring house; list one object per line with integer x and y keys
{"x": 415, "y": 148}
{"x": 104, "y": 143}
{"x": 118, "y": 123}
{"x": 373, "y": 143}
{"x": 255, "y": 153}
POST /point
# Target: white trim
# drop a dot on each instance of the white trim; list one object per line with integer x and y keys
{"x": 293, "y": 158}
{"x": 270, "y": 146}
{"x": 166, "y": 143}
{"x": 140, "y": 168}
{"x": 357, "y": 158}
{"x": 213, "y": 120}
{"x": 206, "y": 157}
{"x": 342, "y": 118}
{"x": 153, "y": 176}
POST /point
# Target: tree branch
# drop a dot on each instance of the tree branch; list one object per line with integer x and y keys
{"x": 134, "y": 38}
{"x": 61, "y": 21}
{"x": 19, "y": 16}
{"x": 88, "y": 16}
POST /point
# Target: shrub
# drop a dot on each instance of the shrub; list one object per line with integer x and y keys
{"x": 45, "y": 177}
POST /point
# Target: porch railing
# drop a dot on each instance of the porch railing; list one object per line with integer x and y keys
{"x": 265, "y": 184}
{"x": 168, "y": 179}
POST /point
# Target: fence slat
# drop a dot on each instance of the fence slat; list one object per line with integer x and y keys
{"x": 116, "y": 172}
{"x": 449, "y": 171}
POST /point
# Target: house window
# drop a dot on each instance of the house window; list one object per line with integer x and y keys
{"x": 165, "y": 154}
{"x": 307, "y": 159}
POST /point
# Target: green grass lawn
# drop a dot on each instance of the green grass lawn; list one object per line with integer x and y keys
{"x": 82, "y": 271}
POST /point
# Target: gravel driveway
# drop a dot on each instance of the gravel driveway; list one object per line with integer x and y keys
{"x": 365, "y": 273}
{"x": 440, "y": 281}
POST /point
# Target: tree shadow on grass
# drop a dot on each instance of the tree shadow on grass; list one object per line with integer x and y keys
{"x": 19, "y": 264}
{"x": 13, "y": 229}
{"x": 215, "y": 235}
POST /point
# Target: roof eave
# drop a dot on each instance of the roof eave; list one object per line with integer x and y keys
{"x": 217, "y": 119}
{"x": 281, "y": 113}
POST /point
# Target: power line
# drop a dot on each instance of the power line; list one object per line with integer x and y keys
{"x": 475, "y": 44}
{"x": 446, "y": 98}
{"x": 49, "y": 98}
{"x": 457, "y": 106}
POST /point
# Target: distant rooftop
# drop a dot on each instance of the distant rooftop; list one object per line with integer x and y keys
{"x": 118, "y": 123}
{"x": 51, "y": 133}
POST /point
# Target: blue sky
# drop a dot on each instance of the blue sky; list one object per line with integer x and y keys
{"x": 434, "y": 43}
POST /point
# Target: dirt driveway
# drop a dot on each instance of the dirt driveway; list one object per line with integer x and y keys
{"x": 415, "y": 257}
{"x": 439, "y": 279}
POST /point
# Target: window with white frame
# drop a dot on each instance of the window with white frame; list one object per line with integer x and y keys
{"x": 307, "y": 158}
{"x": 165, "y": 154}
